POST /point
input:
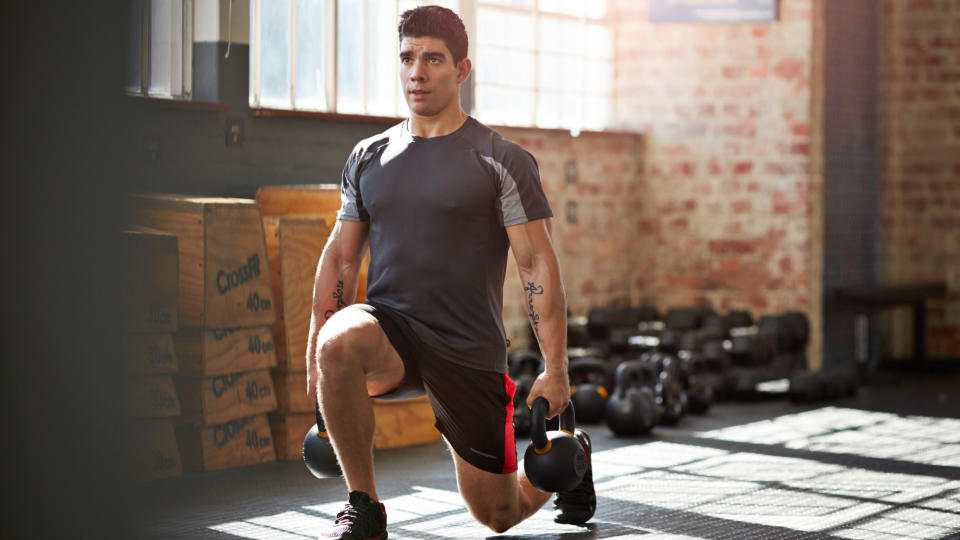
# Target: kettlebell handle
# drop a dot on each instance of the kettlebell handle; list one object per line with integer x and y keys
{"x": 538, "y": 422}
{"x": 321, "y": 426}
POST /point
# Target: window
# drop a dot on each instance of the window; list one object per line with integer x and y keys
{"x": 544, "y": 63}
{"x": 328, "y": 55}
{"x": 161, "y": 48}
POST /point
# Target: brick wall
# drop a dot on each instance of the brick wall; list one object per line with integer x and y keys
{"x": 725, "y": 175}
{"x": 607, "y": 254}
{"x": 920, "y": 149}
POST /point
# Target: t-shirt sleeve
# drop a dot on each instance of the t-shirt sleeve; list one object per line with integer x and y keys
{"x": 351, "y": 203}
{"x": 521, "y": 194}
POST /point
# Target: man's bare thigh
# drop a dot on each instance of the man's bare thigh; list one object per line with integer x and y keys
{"x": 358, "y": 337}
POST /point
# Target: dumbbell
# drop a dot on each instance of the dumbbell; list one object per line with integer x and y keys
{"x": 554, "y": 460}
{"x": 318, "y": 454}
{"x": 589, "y": 383}
{"x": 827, "y": 384}
{"x": 699, "y": 390}
{"x": 632, "y": 408}
{"x": 668, "y": 390}
{"x": 717, "y": 368}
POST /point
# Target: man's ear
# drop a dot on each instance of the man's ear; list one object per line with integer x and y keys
{"x": 463, "y": 70}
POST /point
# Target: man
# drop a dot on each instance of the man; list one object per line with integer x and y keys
{"x": 440, "y": 198}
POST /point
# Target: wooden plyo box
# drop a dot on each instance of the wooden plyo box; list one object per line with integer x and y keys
{"x": 399, "y": 423}
{"x": 150, "y": 291}
{"x": 149, "y": 396}
{"x": 217, "y": 399}
{"x": 291, "y": 390}
{"x": 404, "y": 422}
{"x": 288, "y": 430}
{"x": 152, "y": 354}
{"x": 305, "y": 200}
{"x": 294, "y": 245}
{"x": 152, "y": 447}
{"x": 223, "y": 269}
{"x": 224, "y": 350}
{"x": 237, "y": 443}
{"x": 309, "y": 200}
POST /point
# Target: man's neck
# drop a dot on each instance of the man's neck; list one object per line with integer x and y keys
{"x": 435, "y": 126}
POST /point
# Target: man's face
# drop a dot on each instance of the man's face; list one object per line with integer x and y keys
{"x": 428, "y": 75}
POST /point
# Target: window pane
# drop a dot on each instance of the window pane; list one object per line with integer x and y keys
{"x": 518, "y": 107}
{"x": 349, "y": 56}
{"x": 506, "y": 67}
{"x": 561, "y": 35}
{"x": 597, "y": 112}
{"x": 568, "y": 72}
{"x": 571, "y": 111}
{"x": 489, "y": 104}
{"x": 551, "y": 72}
{"x": 404, "y": 5}
{"x": 548, "y": 110}
{"x": 311, "y": 66}
{"x": 511, "y": 3}
{"x": 253, "y": 47}
{"x": 133, "y": 47}
{"x": 599, "y": 79}
{"x": 275, "y": 54}
{"x": 166, "y": 59}
{"x": 599, "y": 41}
{"x": 596, "y": 9}
{"x": 383, "y": 61}
{"x": 503, "y": 28}
{"x": 566, "y": 7}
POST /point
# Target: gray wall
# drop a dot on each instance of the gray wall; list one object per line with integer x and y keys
{"x": 184, "y": 149}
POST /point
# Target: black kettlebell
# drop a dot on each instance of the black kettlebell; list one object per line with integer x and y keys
{"x": 318, "y": 454}
{"x": 632, "y": 409}
{"x": 588, "y": 388}
{"x": 555, "y": 460}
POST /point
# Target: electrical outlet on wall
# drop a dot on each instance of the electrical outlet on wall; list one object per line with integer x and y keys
{"x": 233, "y": 130}
{"x": 570, "y": 172}
{"x": 572, "y": 212}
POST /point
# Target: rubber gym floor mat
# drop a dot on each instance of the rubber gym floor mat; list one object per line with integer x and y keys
{"x": 769, "y": 469}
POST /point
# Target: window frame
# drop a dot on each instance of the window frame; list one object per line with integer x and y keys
{"x": 468, "y": 11}
{"x": 186, "y": 54}
{"x": 537, "y": 13}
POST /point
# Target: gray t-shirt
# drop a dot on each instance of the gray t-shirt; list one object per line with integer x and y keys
{"x": 437, "y": 209}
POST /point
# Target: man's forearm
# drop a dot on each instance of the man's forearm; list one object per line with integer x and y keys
{"x": 546, "y": 308}
{"x": 335, "y": 287}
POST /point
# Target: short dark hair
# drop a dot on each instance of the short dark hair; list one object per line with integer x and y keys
{"x": 439, "y": 22}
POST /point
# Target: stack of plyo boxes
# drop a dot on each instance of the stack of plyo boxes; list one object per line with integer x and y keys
{"x": 224, "y": 343}
{"x": 149, "y": 401}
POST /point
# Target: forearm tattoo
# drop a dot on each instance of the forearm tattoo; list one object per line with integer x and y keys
{"x": 338, "y": 295}
{"x": 533, "y": 289}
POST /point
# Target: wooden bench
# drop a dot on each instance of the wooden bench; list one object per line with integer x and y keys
{"x": 873, "y": 298}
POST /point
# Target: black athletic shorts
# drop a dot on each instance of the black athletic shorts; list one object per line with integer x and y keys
{"x": 474, "y": 408}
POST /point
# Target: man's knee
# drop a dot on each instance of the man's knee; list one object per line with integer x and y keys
{"x": 498, "y": 519}
{"x": 343, "y": 342}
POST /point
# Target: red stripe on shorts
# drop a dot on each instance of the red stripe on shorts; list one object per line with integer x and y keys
{"x": 509, "y": 444}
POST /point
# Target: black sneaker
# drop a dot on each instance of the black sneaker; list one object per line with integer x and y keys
{"x": 578, "y": 505}
{"x": 360, "y": 519}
